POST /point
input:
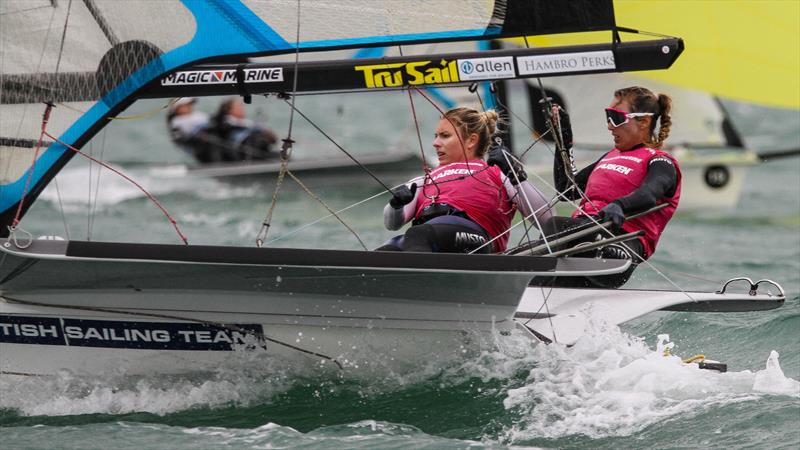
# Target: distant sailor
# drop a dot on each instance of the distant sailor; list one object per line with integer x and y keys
{"x": 239, "y": 138}
{"x": 633, "y": 177}
{"x": 186, "y": 125}
{"x": 466, "y": 202}
{"x": 228, "y": 136}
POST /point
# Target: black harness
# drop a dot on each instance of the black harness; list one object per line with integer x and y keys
{"x": 439, "y": 209}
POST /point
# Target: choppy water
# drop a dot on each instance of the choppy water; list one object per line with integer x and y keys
{"x": 614, "y": 389}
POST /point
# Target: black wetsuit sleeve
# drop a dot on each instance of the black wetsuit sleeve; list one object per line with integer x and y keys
{"x": 661, "y": 181}
{"x": 562, "y": 181}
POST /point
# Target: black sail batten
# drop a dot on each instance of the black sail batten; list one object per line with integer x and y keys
{"x": 427, "y": 70}
{"x": 528, "y": 18}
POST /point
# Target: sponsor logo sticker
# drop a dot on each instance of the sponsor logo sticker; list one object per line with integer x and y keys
{"x": 566, "y": 62}
{"x": 127, "y": 334}
{"x": 263, "y": 75}
{"x": 486, "y": 68}
{"x": 616, "y": 168}
{"x": 411, "y": 73}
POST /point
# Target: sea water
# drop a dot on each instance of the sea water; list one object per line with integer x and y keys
{"x": 614, "y": 389}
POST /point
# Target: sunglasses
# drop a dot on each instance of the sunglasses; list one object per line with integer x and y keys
{"x": 618, "y": 118}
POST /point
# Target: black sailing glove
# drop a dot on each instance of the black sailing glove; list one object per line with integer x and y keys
{"x": 613, "y": 212}
{"x": 402, "y": 195}
{"x": 500, "y": 156}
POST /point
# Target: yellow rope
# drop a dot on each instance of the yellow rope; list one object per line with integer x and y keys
{"x": 143, "y": 115}
{"x": 694, "y": 358}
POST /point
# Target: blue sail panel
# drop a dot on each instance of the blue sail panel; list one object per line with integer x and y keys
{"x": 94, "y": 57}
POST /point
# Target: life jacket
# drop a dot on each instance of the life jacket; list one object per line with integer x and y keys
{"x": 475, "y": 188}
{"x": 620, "y": 173}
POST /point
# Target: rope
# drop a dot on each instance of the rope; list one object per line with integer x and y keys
{"x": 286, "y": 148}
{"x": 425, "y": 167}
{"x": 142, "y": 115}
{"x": 545, "y": 298}
{"x": 265, "y": 224}
{"x": 332, "y": 141}
{"x": 299, "y": 229}
{"x": 18, "y": 214}
{"x": 333, "y": 213}
{"x": 126, "y": 177}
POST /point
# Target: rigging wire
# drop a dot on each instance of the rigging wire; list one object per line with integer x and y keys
{"x": 425, "y": 168}
{"x": 332, "y": 141}
{"x": 61, "y": 208}
{"x": 26, "y": 107}
{"x": 495, "y": 97}
{"x": 18, "y": 214}
{"x": 63, "y": 36}
{"x": 286, "y": 149}
{"x": 333, "y": 213}
{"x": 303, "y": 227}
{"x": 118, "y": 172}
{"x": 89, "y": 200}
{"x": 93, "y": 212}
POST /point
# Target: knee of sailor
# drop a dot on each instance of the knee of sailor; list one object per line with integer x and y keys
{"x": 550, "y": 226}
{"x": 419, "y": 231}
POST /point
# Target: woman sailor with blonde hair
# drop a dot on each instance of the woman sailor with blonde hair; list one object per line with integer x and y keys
{"x": 465, "y": 202}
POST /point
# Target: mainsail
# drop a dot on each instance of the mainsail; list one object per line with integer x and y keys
{"x": 90, "y": 59}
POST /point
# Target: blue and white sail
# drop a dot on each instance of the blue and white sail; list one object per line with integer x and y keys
{"x": 92, "y": 58}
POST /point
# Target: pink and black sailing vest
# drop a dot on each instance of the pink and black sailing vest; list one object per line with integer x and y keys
{"x": 620, "y": 173}
{"x": 475, "y": 188}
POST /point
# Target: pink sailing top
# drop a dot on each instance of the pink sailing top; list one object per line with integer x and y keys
{"x": 620, "y": 173}
{"x": 475, "y": 188}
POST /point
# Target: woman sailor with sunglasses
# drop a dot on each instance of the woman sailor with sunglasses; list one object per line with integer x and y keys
{"x": 633, "y": 177}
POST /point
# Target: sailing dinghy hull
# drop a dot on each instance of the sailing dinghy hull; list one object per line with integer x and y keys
{"x": 563, "y": 315}
{"x": 88, "y": 306}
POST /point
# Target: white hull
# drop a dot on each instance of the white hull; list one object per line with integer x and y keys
{"x": 562, "y": 314}
{"x": 393, "y": 160}
{"x": 353, "y": 347}
{"x": 98, "y": 306}
{"x": 94, "y": 307}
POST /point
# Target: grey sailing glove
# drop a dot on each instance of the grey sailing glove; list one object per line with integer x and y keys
{"x": 613, "y": 212}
